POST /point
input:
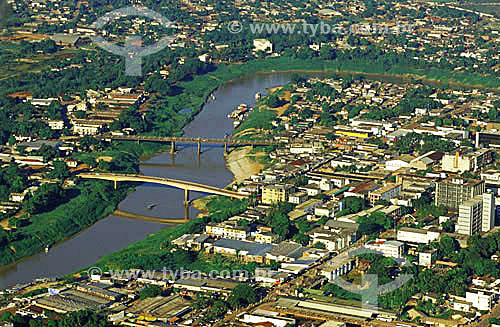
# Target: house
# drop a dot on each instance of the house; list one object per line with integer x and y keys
{"x": 56, "y": 124}
{"x": 329, "y": 209}
{"x": 332, "y": 239}
{"x": 427, "y": 258}
{"x": 268, "y": 277}
{"x": 16, "y": 197}
{"x": 398, "y": 163}
{"x": 426, "y": 160}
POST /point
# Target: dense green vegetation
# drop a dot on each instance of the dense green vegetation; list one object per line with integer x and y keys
{"x": 150, "y": 291}
{"x": 422, "y": 143}
{"x": 73, "y": 319}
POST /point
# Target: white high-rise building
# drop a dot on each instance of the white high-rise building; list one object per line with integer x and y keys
{"x": 477, "y": 214}
{"x": 470, "y": 215}
{"x": 489, "y": 212}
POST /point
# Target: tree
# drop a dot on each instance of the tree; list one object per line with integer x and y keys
{"x": 448, "y": 226}
{"x": 12, "y": 140}
{"x": 150, "y": 291}
{"x": 301, "y": 238}
{"x": 493, "y": 114}
{"x": 60, "y": 170}
{"x": 273, "y": 101}
{"x": 80, "y": 114}
{"x": 46, "y": 198}
{"x": 448, "y": 246}
{"x": 319, "y": 245}
{"x": 241, "y": 296}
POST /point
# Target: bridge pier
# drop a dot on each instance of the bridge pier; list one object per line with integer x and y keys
{"x": 199, "y": 147}
{"x": 186, "y": 204}
{"x": 115, "y": 184}
{"x": 172, "y": 147}
{"x": 225, "y": 148}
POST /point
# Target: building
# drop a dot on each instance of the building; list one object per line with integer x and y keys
{"x": 460, "y": 162}
{"x": 489, "y": 212}
{"x": 415, "y": 235}
{"x": 386, "y": 193}
{"x": 297, "y": 197}
{"x": 275, "y": 193}
{"x": 329, "y": 209}
{"x": 477, "y": 215}
{"x": 480, "y": 300}
{"x": 227, "y": 230}
{"x": 427, "y": 258}
{"x": 248, "y": 251}
{"x": 469, "y": 216}
{"x": 452, "y": 192}
{"x": 393, "y": 249}
{"x": 88, "y": 127}
{"x": 266, "y": 237}
{"x": 398, "y": 163}
{"x": 338, "y": 268}
{"x": 56, "y": 124}
{"x": 266, "y": 318}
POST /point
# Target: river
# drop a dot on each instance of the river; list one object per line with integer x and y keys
{"x": 113, "y": 233}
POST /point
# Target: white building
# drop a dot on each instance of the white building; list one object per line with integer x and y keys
{"x": 56, "y": 124}
{"x": 427, "y": 258}
{"x": 469, "y": 161}
{"x": 469, "y": 216}
{"x": 396, "y": 164}
{"x": 480, "y": 300}
{"x": 489, "y": 212}
{"x": 415, "y": 235}
{"x": 477, "y": 214}
{"x": 338, "y": 268}
{"x": 393, "y": 249}
{"x": 261, "y": 317}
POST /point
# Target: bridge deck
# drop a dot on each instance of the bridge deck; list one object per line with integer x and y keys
{"x": 193, "y": 140}
{"x": 185, "y": 185}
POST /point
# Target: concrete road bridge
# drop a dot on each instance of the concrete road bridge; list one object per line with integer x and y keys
{"x": 185, "y": 185}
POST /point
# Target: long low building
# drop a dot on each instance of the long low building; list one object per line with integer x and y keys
{"x": 415, "y": 235}
{"x": 324, "y": 309}
{"x": 162, "y": 308}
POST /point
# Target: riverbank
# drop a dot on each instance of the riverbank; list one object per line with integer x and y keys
{"x": 240, "y": 163}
